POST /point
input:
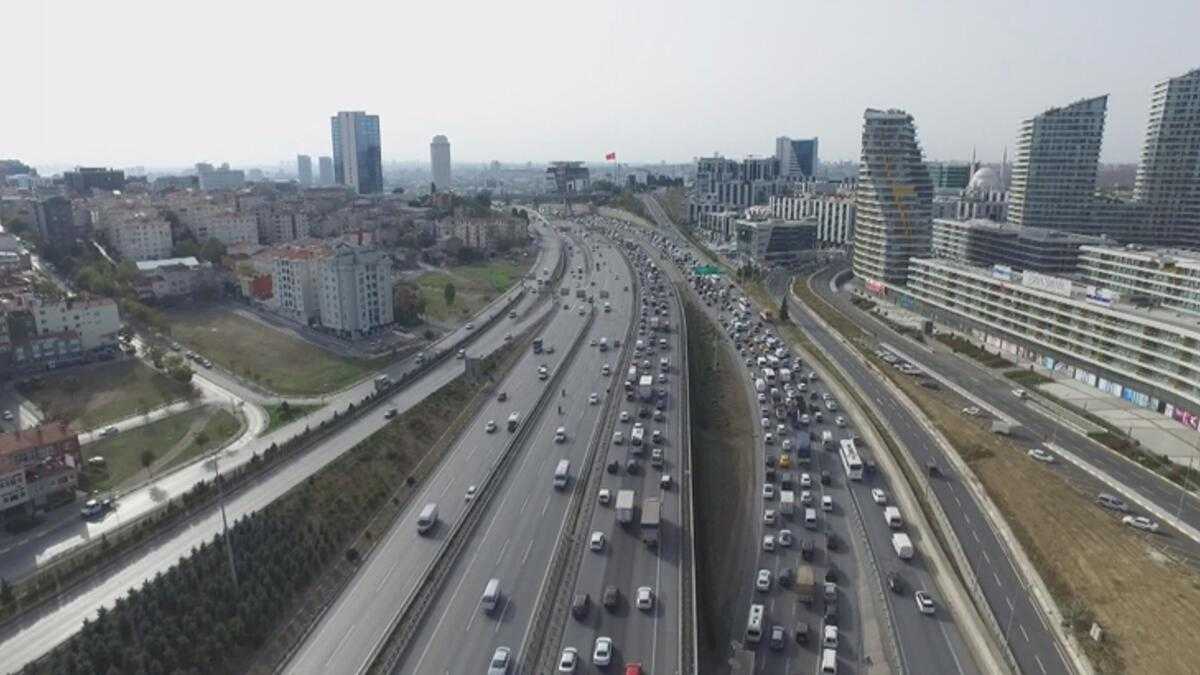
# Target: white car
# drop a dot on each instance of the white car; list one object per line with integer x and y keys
{"x": 500, "y": 660}
{"x": 1041, "y": 455}
{"x": 618, "y": 438}
{"x": 568, "y": 660}
{"x": 762, "y": 398}
{"x": 766, "y": 423}
{"x": 470, "y": 493}
{"x": 605, "y": 369}
{"x": 665, "y": 481}
{"x": 806, "y": 497}
{"x": 490, "y": 426}
{"x": 470, "y": 326}
{"x": 769, "y": 438}
{"x": 596, "y": 543}
{"x": 805, "y": 480}
{"x": 594, "y": 398}
{"x": 602, "y": 654}
{"x": 972, "y": 411}
{"x": 1020, "y": 393}
{"x": 840, "y": 421}
{"x": 625, "y": 416}
{"x": 645, "y": 598}
{"x": 605, "y": 496}
{"x": 769, "y": 517}
{"x": 768, "y": 544}
{"x": 924, "y": 602}
{"x": 763, "y": 582}
{"x": 1141, "y": 523}
{"x": 826, "y": 503}
{"x": 785, "y": 538}
{"x": 768, "y": 491}
{"x": 878, "y": 496}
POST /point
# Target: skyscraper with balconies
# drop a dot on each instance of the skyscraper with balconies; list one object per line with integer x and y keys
{"x": 893, "y": 199}
{"x": 357, "y": 155}
{"x": 1058, "y": 156}
{"x": 439, "y": 158}
{"x": 1168, "y": 176}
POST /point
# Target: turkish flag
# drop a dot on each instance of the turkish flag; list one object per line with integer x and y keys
{"x": 610, "y": 156}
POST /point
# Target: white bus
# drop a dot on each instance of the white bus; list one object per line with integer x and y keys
{"x": 754, "y": 624}
{"x": 851, "y": 461}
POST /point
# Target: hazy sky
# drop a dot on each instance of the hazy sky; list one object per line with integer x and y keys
{"x": 169, "y": 83}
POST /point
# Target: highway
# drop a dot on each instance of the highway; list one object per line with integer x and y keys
{"x": 39, "y": 631}
{"x": 856, "y": 524}
{"x": 1036, "y": 650}
{"x": 1036, "y": 426}
{"x": 517, "y": 539}
{"x": 650, "y": 637}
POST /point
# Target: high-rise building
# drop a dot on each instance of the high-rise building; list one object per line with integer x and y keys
{"x": 893, "y": 198}
{"x": 1168, "y": 177}
{"x": 949, "y": 175}
{"x": 304, "y": 169}
{"x": 325, "y": 171}
{"x": 797, "y": 157}
{"x": 439, "y": 159}
{"x": 357, "y": 154}
{"x": 355, "y": 290}
{"x": 1058, "y": 155}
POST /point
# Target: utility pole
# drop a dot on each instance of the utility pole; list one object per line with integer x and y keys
{"x": 225, "y": 523}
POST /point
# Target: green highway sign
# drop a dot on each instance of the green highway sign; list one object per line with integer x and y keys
{"x": 707, "y": 270}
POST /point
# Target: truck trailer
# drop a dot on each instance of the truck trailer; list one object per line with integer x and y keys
{"x": 651, "y": 515}
{"x": 624, "y": 506}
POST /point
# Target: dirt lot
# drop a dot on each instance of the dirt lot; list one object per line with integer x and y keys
{"x": 1097, "y": 569}
{"x": 93, "y": 396}
{"x": 723, "y": 471}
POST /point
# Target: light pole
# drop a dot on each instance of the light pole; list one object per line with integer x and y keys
{"x": 225, "y": 522}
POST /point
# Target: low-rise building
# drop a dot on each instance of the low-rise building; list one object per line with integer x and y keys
{"x": 986, "y": 243}
{"x": 174, "y": 278}
{"x": 833, "y": 213}
{"x": 773, "y": 242}
{"x": 39, "y": 468}
{"x": 223, "y": 178}
{"x": 1148, "y": 356}
{"x": 1169, "y": 278}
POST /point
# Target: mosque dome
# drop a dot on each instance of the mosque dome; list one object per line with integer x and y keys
{"x": 985, "y": 179}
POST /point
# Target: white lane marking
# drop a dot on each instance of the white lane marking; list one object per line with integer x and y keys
{"x": 525, "y": 557}
{"x": 503, "y": 550}
{"x": 1039, "y": 662}
{"x": 385, "y": 578}
{"x": 525, "y": 503}
{"x": 1022, "y": 627}
{"x": 985, "y": 556}
{"x": 976, "y": 535}
{"x": 946, "y": 637}
{"x": 998, "y": 582}
{"x": 340, "y": 644}
{"x": 546, "y": 505}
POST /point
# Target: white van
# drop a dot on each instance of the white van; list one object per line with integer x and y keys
{"x": 491, "y": 596}
{"x": 562, "y": 474}
{"x": 754, "y": 624}
{"x": 828, "y": 662}
{"x": 830, "y": 640}
{"x": 427, "y": 518}
{"x": 810, "y": 518}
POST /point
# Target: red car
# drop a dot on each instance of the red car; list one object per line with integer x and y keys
{"x": 633, "y": 669}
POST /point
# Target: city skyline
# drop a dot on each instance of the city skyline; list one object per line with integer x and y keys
{"x": 975, "y": 100}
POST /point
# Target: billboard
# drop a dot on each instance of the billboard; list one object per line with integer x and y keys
{"x": 1045, "y": 282}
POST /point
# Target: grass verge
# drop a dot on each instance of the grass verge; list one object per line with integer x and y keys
{"x": 157, "y": 446}
{"x": 474, "y": 287}
{"x": 1028, "y": 378}
{"x": 283, "y": 413}
{"x": 722, "y": 474}
{"x": 92, "y": 396}
{"x": 960, "y": 345}
{"x": 264, "y": 355}
{"x": 1105, "y": 573}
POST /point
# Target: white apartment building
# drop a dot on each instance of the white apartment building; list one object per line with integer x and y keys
{"x": 220, "y": 222}
{"x": 833, "y": 213}
{"x": 1164, "y": 277}
{"x": 95, "y": 320}
{"x": 355, "y": 290}
{"x": 294, "y": 283}
{"x": 138, "y": 235}
{"x": 276, "y": 226}
{"x": 1150, "y": 357}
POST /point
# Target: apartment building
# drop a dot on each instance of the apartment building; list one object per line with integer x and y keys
{"x": 134, "y": 229}
{"x": 986, "y": 243}
{"x": 295, "y": 282}
{"x": 50, "y": 333}
{"x": 1149, "y": 356}
{"x": 893, "y": 199}
{"x": 1168, "y": 278}
{"x": 174, "y": 278}
{"x": 832, "y": 212}
{"x": 733, "y": 185}
{"x": 39, "y": 468}
{"x": 355, "y": 292}
{"x": 218, "y": 179}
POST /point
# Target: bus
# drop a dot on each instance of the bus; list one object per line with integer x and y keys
{"x": 851, "y": 461}
{"x": 754, "y": 623}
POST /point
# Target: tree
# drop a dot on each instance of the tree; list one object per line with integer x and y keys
{"x": 783, "y": 309}
{"x": 408, "y": 303}
{"x": 6, "y": 592}
{"x": 156, "y": 355}
{"x": 449, "y": 291}
{"x": 147, "y": 458}
{"x": 213, "y": 250}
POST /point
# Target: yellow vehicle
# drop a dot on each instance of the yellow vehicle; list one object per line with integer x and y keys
{"x": 785, "y": 461}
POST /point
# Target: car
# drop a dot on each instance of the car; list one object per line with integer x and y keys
{"x": 605, "y": 496}
{"x": 1141, "y": 522}
{"x": 470, "y": 493}
{"x": 91, "y": 508}
{"x": 785, "y": 538}
{"x": 111, "y": 431}
{"x": 502, "y": 396}
{"x": 8, "y": 415}
{"x": 613, "y": 467}
{"x": 766, "y": 423}
{"x": 763, "y": 581}
{"x": 770, "y": 461}
{"x": 470, "y": 326}
{"x": 840, "y": 421}
{"x": 807, "y": 549}
{"x": 611, "y": 597}
{"x": 826, "y": 503}
{"x": 568, "y": 660}
{"x": 778, "y": 636}
{"x": 801, "y": 633}
{"x": 549, "y": 349}
{"x": 602, "y": 653}
{"x": 664, "y": 482}
{"x": 596, "y": 542}
{"x": 659, "y": 415}
{"x": 391, "y": 412}
{"x": 1041, "y": 455}
{"x": 972, "y": 411}
{"x": 594, "y": 398}
{"x": 826, "y": 478}
{"x": 500, "y": 660}
{"x": 768, "y": 491}
{"x": 644, "y": 413}
{"x": 490, "y": 426}
{"x": 805, "y": 480}
{"x": 580, "y": 605}
{"x": 769, "y": 438}
{"x": 786, "y": 577}
{"x": 645, "y": 598}
{"x": 543, "y": 372}
{"x": 618, "y": 438}
{"x": 461, "y": 354}
{"x": 806, "y": 497}
{"x": 924, "y": 602}
{"x": 206, "y": 363}
{"x": 1111, "y": 502}
{"x": 633, "y": 669}
{"x": 768, "y": 543}
{"x": 624, "y": 416}
{"x": 592, "y": 342}
{"x": 769, "y": 517}
{"x": 895, "y": 582}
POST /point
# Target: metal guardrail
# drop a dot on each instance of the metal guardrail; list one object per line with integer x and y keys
{"x": 386, "y": 655}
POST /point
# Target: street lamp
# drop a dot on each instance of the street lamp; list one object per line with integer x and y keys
{"x": 225, "y": 522}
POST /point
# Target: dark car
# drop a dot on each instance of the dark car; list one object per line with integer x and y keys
{"x": 895, "y": 582}
{"x": 826, "y": 479}
{"x": 770, "y": 475}
{"x": 611, "y": 598}
{"x": 770, "y": 460}
{"x": 831, "y": 541}
{"x": 802, "y": 633}
{"x": 644, "y": 413}
{"x": 631, "y": 467}
{"x": 806, "y": 549}
{"x": 614, "y": 466}
{"x": 580, "y": 604}
{"x": 831, "y": 574}
{"x": 503, "y": 396}
{"x": 831, "y": 613}
{"x": 786, "y": 577}
{"x": 933, "y": 468}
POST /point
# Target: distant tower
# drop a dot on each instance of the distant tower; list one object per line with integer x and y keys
{"x": 439, "y": 159}
{"x": 304, "y": 169}
{"x": 797, "y": 157}
{"x": 893, "y": 199}
{"x": 1058, "y": 157}
{"x": 357, "y": 155}
{"x": 325, "y": 165}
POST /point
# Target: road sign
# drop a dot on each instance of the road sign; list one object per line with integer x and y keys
{"x": 707, "y": 270}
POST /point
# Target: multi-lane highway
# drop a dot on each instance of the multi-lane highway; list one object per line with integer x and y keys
{"x": 40, "y": 630}
{"x": 860, "y": 537}
{"x": 517, "y": 537}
